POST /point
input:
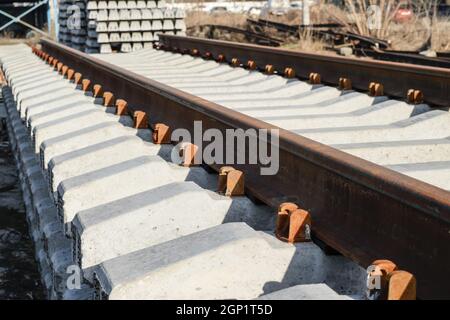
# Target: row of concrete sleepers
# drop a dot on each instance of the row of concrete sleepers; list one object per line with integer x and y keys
{"x": 101, "y": 196}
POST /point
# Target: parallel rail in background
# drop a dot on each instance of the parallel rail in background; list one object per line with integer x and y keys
{"x": 402, "y": 57}
{"x": 362, "y": 45}
{"x": 362, "y": 210}
{"x": 249, "y": 35}
{"x": 397, "y": 78}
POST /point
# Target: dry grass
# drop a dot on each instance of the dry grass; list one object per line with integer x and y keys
{"x": 197, "y": 18}
{"x": 440, "y": 35}
{"x": 308, "y": 43}
{"x": 424, "y": 31}
{"x": 355, "y": 16}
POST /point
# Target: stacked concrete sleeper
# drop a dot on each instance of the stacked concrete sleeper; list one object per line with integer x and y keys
{"x": 101, "y": 196}
{"x": 64, "y": 35}
{"x": 132, "y": 25}
{"x": 123, "y": 25}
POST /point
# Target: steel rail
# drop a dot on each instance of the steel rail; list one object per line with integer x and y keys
{"x": 397, "y": 78}
{"x": 291, "y": 28}
{"x": 362, "y": 210}
{"x": 404, "y": 57}
{"x": 256, "y": 37}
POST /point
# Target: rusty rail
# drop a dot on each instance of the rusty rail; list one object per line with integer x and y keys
{"x": 362, "y": 210}
{"x": 414, "y": 58}
{"x": 250, "y": 36}
{"x": 397, "y": 78}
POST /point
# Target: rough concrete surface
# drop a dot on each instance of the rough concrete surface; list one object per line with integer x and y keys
{"x": 19, "y": 276}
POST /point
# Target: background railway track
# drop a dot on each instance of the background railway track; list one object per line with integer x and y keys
{"x": 372, "y": 127}
{"x": 333, "y": 34}
{"x": 380, "y": 213}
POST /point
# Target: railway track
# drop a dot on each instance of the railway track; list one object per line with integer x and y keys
{"x": 371, "y": 172}
{"x": 363, "y": 46}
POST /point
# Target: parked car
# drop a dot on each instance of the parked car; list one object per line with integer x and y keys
{"x": 218, "y": 9}
{"x": 254, "y": 11}
{"x": 275, "y": 7}
{"x": 404, "y": 13}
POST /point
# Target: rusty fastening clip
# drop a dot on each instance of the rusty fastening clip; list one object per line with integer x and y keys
{"x": 161, "y": 134}
{"x": 220, "y": 58}
{"x": 251, "y": 65}
{"x": 85, "y": 85}
{"x": 64, "y": 70}
{"x": 121, "y": 107}
{"x": 70, "y": 74}
{"x": 231, "y": 182}
{"x": 187, "y": 154}
{"x": 97, "y": 91}
{"x": 108, "y": 99}
{"x": 385, "y": 282}
{"x": 77, "y": 78}
{"x": 140, "y": 120}
{"x": 414, "y": 96}
{"x": 376, "y": 89}
{"x": 345, "y": 84}
{"x": 293, "y": 224}
{"x": 314, "y": 78}
{"x": 289, "y": 73}
{"x": 268, "y": 69}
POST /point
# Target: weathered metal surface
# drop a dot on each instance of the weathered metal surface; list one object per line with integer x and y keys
{"x": 397, "y": 78}
{"x": 365, "y": 211}
{"x": 403, "y": 57}
{"x": 249, "y": 35}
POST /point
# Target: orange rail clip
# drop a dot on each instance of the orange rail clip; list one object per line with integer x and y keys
{"x": 121, "y": 107}
{"x": 402, "y": 286}
{"x": 85, "y": 85}
{"x": 231, "y": 182}
{"x": 392, "y": 284}
{"x": 268, "y": 69}
{"x": 187, "y": 153}
{"x": 208, "y": 55}
{"x": 64, "y": 70}
{"x": 289, "y": 73}
{"x": 293, "y": 224}
{"x": 414, "y": 96}
{"x": 140, "y": 120}
{"x": 345, "y": 84}
{"x": 315, "y": 78}
{"x": 97, "y": 91}
{"x": 77, "y": 78}
{"x": 108, "y": 99}
{"x": 376, "y": 89}
{"x": 251, "y": 65}
{"x": 70, "y": 74}
{"x": 161, "y": 134}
